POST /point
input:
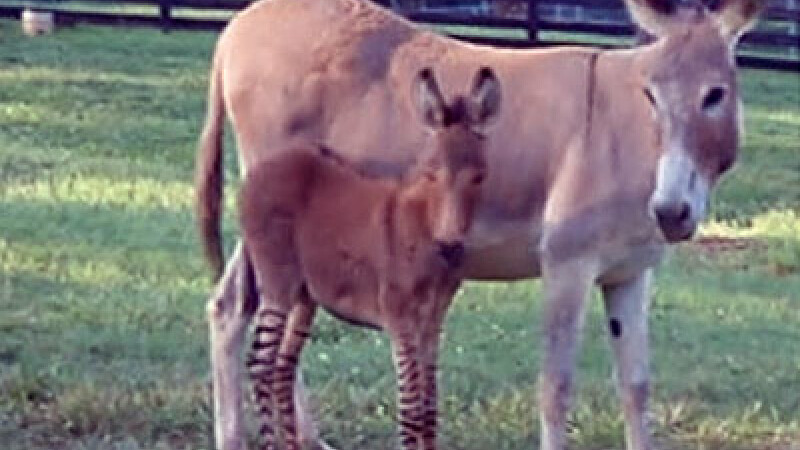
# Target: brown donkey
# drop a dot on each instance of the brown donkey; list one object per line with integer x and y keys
{"x": 622, "y": 162}
{"x": 374, "y": 251}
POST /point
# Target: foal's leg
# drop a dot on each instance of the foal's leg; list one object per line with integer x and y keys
{"x": 229, "y": 311}
{"x": 567, "y": 286}
{"x": 283, "y": 382}
{"x": 410, "y": 407}
{"x": 627, "y": 307}
{"x": 270, "y": 323}
{"x": 429, "y": 358}
{"x": 429, "y": 354}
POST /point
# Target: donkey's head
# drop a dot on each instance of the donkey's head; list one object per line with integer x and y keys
{"x": 454, "y": 167}
{"x": 689, "y": 79}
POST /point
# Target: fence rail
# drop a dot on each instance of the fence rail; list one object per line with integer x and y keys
{"x": 775, "y": 44}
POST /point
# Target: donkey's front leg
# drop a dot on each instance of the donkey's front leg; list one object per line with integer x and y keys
{"x": 627, "y": 307}
{"x": 567, "y": 285}
{"x": 229, "y": 312}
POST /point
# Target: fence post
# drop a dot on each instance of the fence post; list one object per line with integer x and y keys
{"x": 533, "y": 22}
{"x": 165, "y": 13}
{"x": 794, "y": 28}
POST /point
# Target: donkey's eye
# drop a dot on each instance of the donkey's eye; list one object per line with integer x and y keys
{"x": 714, "y": 97}
{"x": 650, "y": 97}
{"x": 478, "y": 178}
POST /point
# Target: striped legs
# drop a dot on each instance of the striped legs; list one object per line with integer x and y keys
{"x": 267, "y": 336}
{"x": 278, "y": 340}
{"x": 429, "y": 359}
{"x": 410, "y": 402}
{"x": 415, "y": 366}
{"x": 295, "y": 336}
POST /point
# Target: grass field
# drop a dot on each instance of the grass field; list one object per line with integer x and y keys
{"x": 103, "y": 341}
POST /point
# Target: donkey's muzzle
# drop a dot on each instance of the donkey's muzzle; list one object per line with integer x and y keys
{"x": 452, "y": 253}
{"x": 675, "y": 221}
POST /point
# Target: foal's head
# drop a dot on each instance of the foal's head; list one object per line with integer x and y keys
{"x": 689, "y": 80}
{"x": 454, "y": 167}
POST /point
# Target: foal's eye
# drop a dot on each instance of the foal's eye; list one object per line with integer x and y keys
{"x": 714, "y": 97}
{"x": 478, "y": 178}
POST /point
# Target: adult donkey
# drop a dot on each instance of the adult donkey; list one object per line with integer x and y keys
{"x": 598, "y": 160}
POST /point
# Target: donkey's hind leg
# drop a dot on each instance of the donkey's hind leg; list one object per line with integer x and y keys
{"x": 229, "y": 313}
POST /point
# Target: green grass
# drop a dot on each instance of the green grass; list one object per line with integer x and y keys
{"x": 103, "y": 341}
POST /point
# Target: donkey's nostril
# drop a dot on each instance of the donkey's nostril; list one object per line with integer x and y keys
{"x": 452, "y": 253}
{"x": 675, "y": 221}
{"x": 673, "y": 214}
{"x": 685, "y": 212}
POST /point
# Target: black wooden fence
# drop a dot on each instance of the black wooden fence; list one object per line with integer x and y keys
{"x": 514, "y": 23}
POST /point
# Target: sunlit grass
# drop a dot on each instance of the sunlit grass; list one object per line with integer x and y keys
{"x": 103, "y": 340}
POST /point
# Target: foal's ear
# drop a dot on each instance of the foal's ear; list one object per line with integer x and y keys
{"x": 485, "y": 98}
{"x": 428, "y": 99}
{"x": 737, "y": 17}
{"x": 653, "y": 16}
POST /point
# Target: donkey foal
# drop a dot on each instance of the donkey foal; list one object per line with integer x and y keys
{"x": 373, "y": 251}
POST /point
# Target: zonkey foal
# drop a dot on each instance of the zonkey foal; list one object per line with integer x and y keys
{"x": 373, "y": 251}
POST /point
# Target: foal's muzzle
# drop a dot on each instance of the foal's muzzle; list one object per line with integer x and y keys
{"x": 675, "y": 219}
{"x": 452, "y": 253}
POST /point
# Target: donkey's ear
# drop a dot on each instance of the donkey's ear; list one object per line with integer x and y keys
{"x": 652, "y": 16}
{"x": 428, "y": 99}
{"x": 485, "y": 98}
{"x": 736, "y": 17}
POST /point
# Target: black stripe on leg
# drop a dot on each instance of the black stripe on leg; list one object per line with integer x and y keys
{"x": 408, "y": 425}
{"x": 291, "y": 360}
{"x": 265, "y": 410}
{"x": 305, "y": 334}
{"x": 283, "y": 377}
{"x": 265, "y": 344}
{"x": 265, "y": 430}
{"x": 269, "y": 329}
{"x": 406, "y": 441}
{"x": 406, "y": 368}
{"x": 405, "y": 352}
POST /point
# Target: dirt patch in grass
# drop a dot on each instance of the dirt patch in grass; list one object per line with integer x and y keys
{"x": 720, "y": 245}
{"x": 744, "y": 253}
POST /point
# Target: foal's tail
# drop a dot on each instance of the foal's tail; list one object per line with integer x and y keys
{"x": 209, "y": 174}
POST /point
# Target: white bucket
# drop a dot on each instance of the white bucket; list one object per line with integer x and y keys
{"x": 35, "y": 23}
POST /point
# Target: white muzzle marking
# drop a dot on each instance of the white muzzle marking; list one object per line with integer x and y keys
{"x": 679, "y": 183}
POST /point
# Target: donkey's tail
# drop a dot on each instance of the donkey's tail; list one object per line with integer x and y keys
{"x": 209, "y": 172}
